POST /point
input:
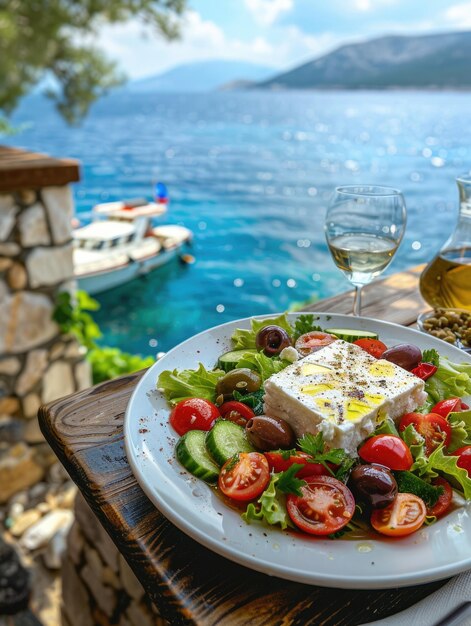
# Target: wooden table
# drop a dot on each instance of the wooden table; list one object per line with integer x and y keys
{"x": 190, "y": 584}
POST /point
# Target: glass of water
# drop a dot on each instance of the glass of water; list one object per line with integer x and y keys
{"x": 364, "y": 226}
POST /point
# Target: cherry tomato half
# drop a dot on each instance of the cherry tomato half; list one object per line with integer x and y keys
{"x": 375, "y": 347}
{"x": 237, "y": 412}
{"x": 326, "y": 506}
{"x": 444, "y": 500}
{"x": 311, "y": 342}
{"x": 387, "y": 450}
{"x": 445, "y": 407}
{"x": 245, "y": 476}
{"x": 193, "y": 414}
{"x": 402, "y": 517}
{"x": 433, "y": 427}
{"x": 465, "y": 458}
{"x": 279, "y": 464}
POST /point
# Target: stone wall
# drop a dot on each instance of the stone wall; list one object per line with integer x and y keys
{"x": 37, "y": 363}
{"x": 98, "y": 586}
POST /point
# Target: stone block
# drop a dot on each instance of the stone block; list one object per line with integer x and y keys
{"x": 30, "y": 405}
{"x": 7, "y": 202}
{"x": 5, "y": 264}
{"x": 49, "y": 266}
{"x": 18, "y": 470}
{"x": 10, "y": 366}
{"x": 11, "y": 429}
{"x": 83, "y": 375}
{"x": 56, "y": 351}
{"x": 7, "y": 221}
{"x": 33, "y": 227}
{"x": 25, "y": 521}
{"x": 76, "y": 601}
{"x": 95, "y": 533}
{"x": 59, "y": 205}
{"x": 104, "y": 596}
{"x": 27, "y": 197}
{"x": 40, "y": 533}
{"x": 130, "y": 583}
{"x": 75, "y": 544}
{"x": 9, "y": 249}
{"x": 25, "y": 322}
{"x": 32, "y": 432}
{"x": 57, "y": 382}
{"x": 9, "y": 405}
{"x": 36, "y": 363}
{"x": 17, "y": 277}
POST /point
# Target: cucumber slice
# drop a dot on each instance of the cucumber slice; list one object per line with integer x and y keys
{"x": 226, "y": 439}
{"x": 229, "y": 360}
{"x": 192, "y": 454}
{"x": 351, "y": 335}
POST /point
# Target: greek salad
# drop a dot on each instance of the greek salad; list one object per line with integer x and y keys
{"x": 326, "y": 431}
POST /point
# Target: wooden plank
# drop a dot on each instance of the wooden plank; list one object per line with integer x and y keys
{"x": 20, "y": 169}
{"x": 190, "y": 584}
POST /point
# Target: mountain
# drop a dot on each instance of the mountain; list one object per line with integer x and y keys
{"x": 202, "y": 76}
{"x": 429, "y": 61}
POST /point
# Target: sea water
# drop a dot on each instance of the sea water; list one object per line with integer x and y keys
{"x": 251, "y": 173}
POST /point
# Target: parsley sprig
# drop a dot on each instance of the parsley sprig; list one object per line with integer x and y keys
{"x": 431, "y": 356}
{"x": 314, "y": 445}
{"x": 305, "y": 324}
{"x": 288, "y": 483}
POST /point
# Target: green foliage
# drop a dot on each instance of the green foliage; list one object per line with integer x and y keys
{"x": 53, "y": 39}
{"x": 111, "y": 362}
{"x": 72, "y": 316}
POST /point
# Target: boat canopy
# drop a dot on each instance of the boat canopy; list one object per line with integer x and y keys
{"x": 121, "y": 211}
{"x": 105, "y": 231}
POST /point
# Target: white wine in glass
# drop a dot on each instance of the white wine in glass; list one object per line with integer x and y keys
{"x": 364, "y": 226}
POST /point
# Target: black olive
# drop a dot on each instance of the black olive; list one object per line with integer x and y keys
{"x": 374, "y": 484}
{"x": 272, "y": 340}
{"x": 269, "y": 433}
{"x": 406, "y": 355}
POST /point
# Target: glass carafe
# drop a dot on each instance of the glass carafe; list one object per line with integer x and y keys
{"x": 446, "y": 281}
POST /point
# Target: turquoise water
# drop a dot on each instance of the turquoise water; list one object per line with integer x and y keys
{"x": 251, "y": 174}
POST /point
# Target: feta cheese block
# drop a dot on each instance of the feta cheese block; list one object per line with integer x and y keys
{"x": 343, "y": 392}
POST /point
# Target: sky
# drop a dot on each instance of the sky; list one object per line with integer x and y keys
{"x": 276, "y": 33}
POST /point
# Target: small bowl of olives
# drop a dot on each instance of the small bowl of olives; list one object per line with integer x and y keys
{"x": 450, "y": 325}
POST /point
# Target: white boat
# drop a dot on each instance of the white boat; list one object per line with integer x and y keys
{"x": 121, "y": 244}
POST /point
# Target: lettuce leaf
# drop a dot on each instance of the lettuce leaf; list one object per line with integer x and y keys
{"x": 450, "y": 379}
{"x": 460, "y": 423}
{"x": 439, "y": 462}
{"x": 272, "y": 507}
{"x": 264, "y": 365}
{"x": 244, "y": 338}
{"x": 179, "y": 385}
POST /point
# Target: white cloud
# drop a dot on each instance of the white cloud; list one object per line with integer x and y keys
{"x": 369, "y": 5}
{"x": 459, "y": 15}
{"x": 266, "y": 12}
{"x": 142, "y": 53}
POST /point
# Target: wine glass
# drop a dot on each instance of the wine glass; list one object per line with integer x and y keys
{"x": 364, "y": 226}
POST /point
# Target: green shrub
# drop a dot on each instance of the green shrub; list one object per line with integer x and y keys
{"x": 72, "y": 316}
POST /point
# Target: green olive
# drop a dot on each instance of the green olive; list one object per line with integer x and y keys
{"x": 242, "y": 379}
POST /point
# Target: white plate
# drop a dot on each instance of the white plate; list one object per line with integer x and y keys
{"x": 436, "y": 552}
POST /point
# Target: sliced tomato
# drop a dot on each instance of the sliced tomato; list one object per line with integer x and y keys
{"x": 402, "y": 517}
{"x": 280, "y": 462}
{"x": 375, "y": 347}
{"x": 193, "y": 414}
{"x": 244, "y": 476}
{"x": 445, "y": 407}
{"x": 433, "y": 427}
{"x": 311, "y": 342}
{"x": 465, "y": 458}
{"x": 237, "y": 412}
{"x": 387, "y": 450}
{"x": 325, "y": 506}
{"x": 444, "y": 500}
